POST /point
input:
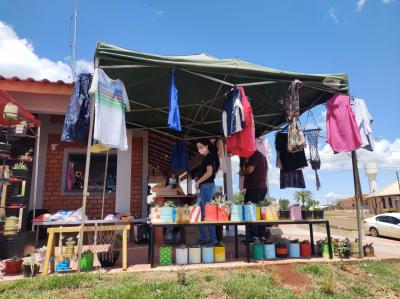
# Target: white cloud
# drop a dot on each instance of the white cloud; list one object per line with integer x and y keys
{"x": 333, "y": 16}
{"x": 360, "y": 4}
{"x": 387, "y": 1}
{"x": 18, "y": 58}
{"x": 332, "y": 196}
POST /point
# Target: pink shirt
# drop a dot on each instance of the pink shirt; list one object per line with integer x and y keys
{"x": 341, "y": 126}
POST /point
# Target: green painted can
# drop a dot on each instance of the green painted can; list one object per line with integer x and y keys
{"x": 325, "y": 250}
{"x": 87, "y": 261}
{"x": 257, "y": 251}
{"x": 165, "y": 255}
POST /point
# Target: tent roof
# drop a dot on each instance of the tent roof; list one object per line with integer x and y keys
{"x": 202, "y": 82}
{"x": 23, "y": 115}
{"x": 392, "y": 189}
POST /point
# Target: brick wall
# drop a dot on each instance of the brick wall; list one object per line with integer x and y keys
{"x": 136, "y": 176}
{"x": 53, "y": 200}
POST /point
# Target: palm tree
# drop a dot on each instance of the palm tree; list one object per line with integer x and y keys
{"x": 303, "y": 197}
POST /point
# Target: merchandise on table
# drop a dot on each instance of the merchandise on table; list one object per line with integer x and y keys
{"x": 223, "y": 212}
{"x": 207, "y": 254}
{"x": 272, "y": 213}
{"x": 295, "y": 212}
{"x": 257, "y": 251}
{"x": 294, "y": 249}
{"x": 183, "y": 215}
{"x": 258, "y": 213}
{"x": 249, "y": 212}
{"x": 305, "y": 249}
{"x": 155, "y": 216}
{"x": 219, "y": 254}
{"x": 281, "y": 250}
{"x": 167, "y": 214}
{"x": 195, "y": 213}
{"x": 165, "y": 255}
{"x": 211, "y": 212}
{"x": 269, "y": 251}
{"x": 263, "y": 213}
{"x": 195, "y": 255}
{"x": 181, "y": 255}
{"x": 236, "y": 212}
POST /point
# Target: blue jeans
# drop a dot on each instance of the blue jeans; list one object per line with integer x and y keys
{"x": 207, "y": 192}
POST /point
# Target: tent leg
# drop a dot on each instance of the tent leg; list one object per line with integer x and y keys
{"x": 85, "y": 185}
{"x": 35, "y": 184}
{"x": 104, "y": 187}
{"x": 358, "y": 197}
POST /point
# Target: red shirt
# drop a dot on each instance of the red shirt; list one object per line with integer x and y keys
{"x": 258, "y": 178}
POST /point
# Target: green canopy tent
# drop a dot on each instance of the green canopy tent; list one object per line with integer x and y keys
{"x": 202, "y": 82}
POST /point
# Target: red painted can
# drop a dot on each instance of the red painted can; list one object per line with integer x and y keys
{"x": 211, "y": 213}
{"x": 305, "y": 249}
{"x": 282, "y": 252}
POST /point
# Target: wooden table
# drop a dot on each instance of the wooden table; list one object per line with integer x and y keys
{"x": 247, "y": 224}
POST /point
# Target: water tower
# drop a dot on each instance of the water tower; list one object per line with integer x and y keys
{"x": 371, "y": 171}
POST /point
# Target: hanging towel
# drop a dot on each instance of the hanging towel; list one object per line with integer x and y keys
{"x": 243, "y": 143}
{"x": 77, "y": 118}
{"x": 174, "y": 119}
{"x": 111, "y": 102}
{"x": 364, "y": 121}
{"x": 179, "y": 156}
{"x": 341, "y": 127}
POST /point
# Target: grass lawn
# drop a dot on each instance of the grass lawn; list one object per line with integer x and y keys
{"x": 372, "y": 279}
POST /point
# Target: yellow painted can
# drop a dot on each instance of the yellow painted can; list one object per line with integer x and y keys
{"x": 258, "y": 213}
{"x": 219, "y": 254}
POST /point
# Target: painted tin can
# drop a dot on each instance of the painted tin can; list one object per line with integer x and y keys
{"x": 166, "y": 214}
{"x": 269, "y": 251}
{"x": 294, "y": 250}
{"x": 258, "y": 213}
{"x": 219, "y": 254}
{"x": 181, "y": 255}
{"x": 194, "y": 255}
{"x": 207, "y": 254}
{"x": 165, "y": 255}
{"x": 236, "y": 212}
{"x": 250, "y": 212}
{"x": 257, "y": 251}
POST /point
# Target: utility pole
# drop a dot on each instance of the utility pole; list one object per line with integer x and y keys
{"x": 73, "y": 46}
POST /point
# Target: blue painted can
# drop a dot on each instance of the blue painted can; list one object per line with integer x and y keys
{"x": 207, "y": 254}
{"x": 166, "y": 214}
{"x": 294, "y": 249}
{"x": 236, "y": 212}
{"x": 269, "y": 251}
{"x": 250, "y": 212}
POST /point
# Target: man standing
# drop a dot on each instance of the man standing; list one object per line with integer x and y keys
{"x": 254, "y": 171}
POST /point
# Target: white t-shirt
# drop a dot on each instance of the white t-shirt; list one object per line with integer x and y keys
{"x": 364, "y": 121}
{"x": 111, "y": 102}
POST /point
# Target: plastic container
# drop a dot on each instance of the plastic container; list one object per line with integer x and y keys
{"x": 325, "y": 250}
{"x": 194, "y": 255}
{"x": 219, "y": 254}
{"x": 166, "y": 214}
{"x": 257, "y": 251}
{"x": 250, "y": 212}
{"x": 87, "y": 261}
{"x": 211, "y": 212}
{"x": 305, "y": 249}
{"x": 294, "y": 250}
{"x": 207, "y": 254}
{"x": 165, "y": 255}
{"x": 269, "y": 251}
{"x": 236, "y": 212}
{"x": 181, "y": 255}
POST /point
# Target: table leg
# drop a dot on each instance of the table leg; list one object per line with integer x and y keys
{"x": 312, "y": 239}
{"x": 152, "y": 241}
{"x": 236, "y": 241}
{"x": 36, "y": 229}
{"x": 247, "y": 243}
{"x": 124, "y": 249}
{"x": 328, "y": 234}
{"x": 49, "y": 249}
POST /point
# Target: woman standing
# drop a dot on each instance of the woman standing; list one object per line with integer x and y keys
{"x": 205, "y": 183}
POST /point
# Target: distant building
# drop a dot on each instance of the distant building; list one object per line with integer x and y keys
{"x": 349, "y": 203}
{"x": 386, "y": 199}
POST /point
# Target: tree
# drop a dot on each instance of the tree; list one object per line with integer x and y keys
{"x": 306, "y": 198}
{"x": 284, "y": 203}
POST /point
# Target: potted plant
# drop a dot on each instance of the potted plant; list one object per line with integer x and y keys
{"x": 30, "y": 266}
{"x": 284, "y": 214}
{"x": 13, "y": 265}
{"x": 70, "y": 246}
{"x": 306, "y": 214}
{"x": 344, "y": 249}
{"x": 281, "y": 249}
{"x": 108, "y": 258}
{"x": 318, "y": 213}
{"x": 87, "y": 260}
{"x": 369, "y": 250}
{"x": 20, "y": 170}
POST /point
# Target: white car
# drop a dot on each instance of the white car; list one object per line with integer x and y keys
{"x": 387, "y": 225}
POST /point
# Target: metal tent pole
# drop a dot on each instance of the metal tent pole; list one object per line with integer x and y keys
{"x": 104, "y": 187}
{"x": 358, "y": 195}
{"x": 85, "y": 184}
{"x": 36, "y": 170}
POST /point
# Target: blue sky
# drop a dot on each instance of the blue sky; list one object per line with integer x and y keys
{"x": 361, "y": 38}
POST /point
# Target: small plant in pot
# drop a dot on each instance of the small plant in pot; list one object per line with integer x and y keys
{"x": 30, "y": 266}
{"x": 20, "y": 170}
{"x": 284, "y": 214}
{"x": 306, "y": 214}
{"x": 13, "y": 265}
{"x": 281, "y": 249}
{"x": 369, "y": 250}
{"x": 70, "y": 246}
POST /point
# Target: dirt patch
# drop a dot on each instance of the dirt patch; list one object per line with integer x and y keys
{"x": 287, "y": 275}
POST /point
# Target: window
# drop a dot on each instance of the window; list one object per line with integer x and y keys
{"x": 384, "y": 219}
{"x": 384, "y": 202}
{"x": 394, "y": 220}
{"x": 74, "y": 172}
{"x": 390, "y": 202}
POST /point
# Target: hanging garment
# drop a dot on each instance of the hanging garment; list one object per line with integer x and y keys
{"x": 174, "y": 119}
{"x": 292, "y": 179}
{"x": 341, "y": 127}
{"x": 221, "y": 156}
{"x": 315, "y": 161}
{"x": 296, "y": 141}
{"x": 233, "y": 120}
{"x": 288, "y": 161}
{"x": 77, "y": 118}
{"x": 364, "y": 121}
{"x": 70, "y": 177}
{"x": 243, "y": 143}
{"x": 291, "y": 100}
{"x": 111, "y": 102}
{"x": 179, "y": 156}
